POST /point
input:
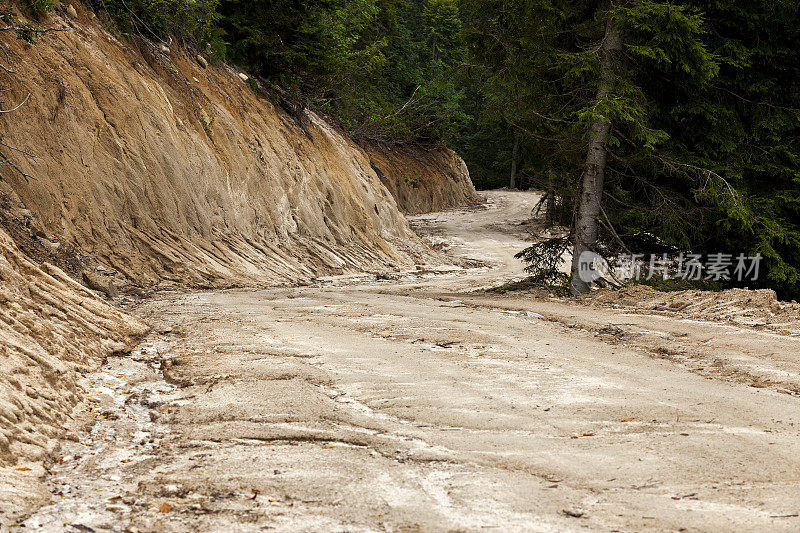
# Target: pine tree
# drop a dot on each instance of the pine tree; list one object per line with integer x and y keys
{"x": 573, "y": 81}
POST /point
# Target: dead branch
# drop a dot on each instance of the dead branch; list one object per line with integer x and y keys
{"x": 32, "y": 29}
{"x": 5, "y": 160}
{"x": 18, "y": 106}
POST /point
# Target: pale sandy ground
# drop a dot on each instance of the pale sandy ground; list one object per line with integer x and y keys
{"x": 414, "y": 405}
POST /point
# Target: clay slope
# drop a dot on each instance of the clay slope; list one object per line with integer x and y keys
{"x": 423, "y": 179}
{"x": 167, "y": 171}
{"x": 51, "y": 328}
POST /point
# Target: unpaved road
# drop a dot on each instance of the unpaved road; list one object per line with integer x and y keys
{"x": 414, "y": 405}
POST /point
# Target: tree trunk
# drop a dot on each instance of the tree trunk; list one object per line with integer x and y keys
{"x": 514, "y": 153}
{"x": 551, "y": 200}
{"x": 594, "y": 169}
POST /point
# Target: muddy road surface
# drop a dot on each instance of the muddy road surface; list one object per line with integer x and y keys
{"x": 421, "y": 404}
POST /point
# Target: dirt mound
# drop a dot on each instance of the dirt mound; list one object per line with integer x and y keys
{"x": 744, "y": 307}
{"x": 167, "y": 171}
{"x": 423, "y": 179}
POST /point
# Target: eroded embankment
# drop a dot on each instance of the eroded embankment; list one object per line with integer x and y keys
{"x": 52, "y": 330}
{"x": 166, "y": 170}
{"x": 423, "y": 179}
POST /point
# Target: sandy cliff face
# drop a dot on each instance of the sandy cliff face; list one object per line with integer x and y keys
{"x": 423, "y": 179}
{"x": 50, "y": 328}
{"x": 168, "y": 171}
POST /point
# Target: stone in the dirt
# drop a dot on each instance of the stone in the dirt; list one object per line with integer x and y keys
{"x": 100, "y": 282}
{"x": 202, "y": 61}
{"x": 71, "y": 11}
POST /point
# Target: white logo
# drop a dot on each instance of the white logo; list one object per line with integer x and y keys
{"x": 590, "y": 266}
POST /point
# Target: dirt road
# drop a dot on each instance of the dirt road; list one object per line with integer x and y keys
{"x": 411, "y": 404}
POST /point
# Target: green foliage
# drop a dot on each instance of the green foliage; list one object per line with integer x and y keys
{"x": 253, "y": 85}
{"x": 332, "y": 43}
{"x": 382, "y": 67}
{"x": 193, "y": 20}
{"x": 207, "y": 121}
{"x": 545, "y": 260}
{"x": 739, "y": 124}
{"x": 668, "y": 38}
{"x": 704, "y": 151}
{"x": 39, "y": 8}
{"x": 413, "y": 180}
{"x": 25, "y": 31}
